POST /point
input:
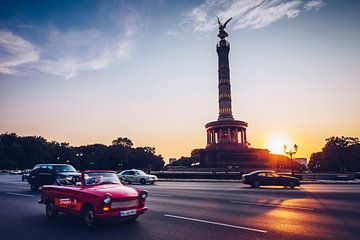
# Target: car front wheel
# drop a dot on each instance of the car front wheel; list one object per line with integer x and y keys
{"x": 143, "y": 181}
{"x": 51, "y": 213}
{"x": 255, "y": 184}
{"x": 291, "y": 185}
{"x": 89, "y": 217}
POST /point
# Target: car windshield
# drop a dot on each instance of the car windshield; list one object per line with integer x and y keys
{"x": 96, "y": 178}
{"x": 64, "y": 168}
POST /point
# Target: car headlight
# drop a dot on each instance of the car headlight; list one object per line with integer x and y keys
{"x": 143, "y": 195}
{"x": 107, "y": 199}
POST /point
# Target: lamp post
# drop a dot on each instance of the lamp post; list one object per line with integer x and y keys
{"x": 291, "y": 153}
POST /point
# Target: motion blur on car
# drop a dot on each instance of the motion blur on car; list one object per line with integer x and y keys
{"x": 136, "y": 176}
{"x": 269, "y": 178}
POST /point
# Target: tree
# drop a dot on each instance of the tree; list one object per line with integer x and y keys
{"x": 125, "y": 142}
{"x": 340, "y": 154}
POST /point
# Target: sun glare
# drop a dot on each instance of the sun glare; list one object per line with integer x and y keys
{"x": 275, "y": 144}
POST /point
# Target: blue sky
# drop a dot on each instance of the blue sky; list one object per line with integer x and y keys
{"x": 90, "y": 71}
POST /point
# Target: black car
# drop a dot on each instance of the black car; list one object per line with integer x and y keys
{"x": 269, "y": 178}
{"x": 47, "y": 174}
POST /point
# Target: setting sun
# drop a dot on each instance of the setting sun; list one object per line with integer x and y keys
{"x": 276, "y": 142}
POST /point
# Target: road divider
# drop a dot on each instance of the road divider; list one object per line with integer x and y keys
{"x": 273, "y": 205}
{"x": 216, "y": 223}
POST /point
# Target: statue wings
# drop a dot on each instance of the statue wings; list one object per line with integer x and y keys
{"x": 223, "y": 26}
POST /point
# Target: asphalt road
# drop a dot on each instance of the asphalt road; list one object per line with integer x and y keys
{"x": 202, "y": 210}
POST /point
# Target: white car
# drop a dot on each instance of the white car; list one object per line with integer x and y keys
{"x": 136, "y": 176}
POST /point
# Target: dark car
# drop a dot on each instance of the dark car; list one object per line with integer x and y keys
{"x": 25, "y": 175}
{"x": 269, "y": 178}
{"x": 47, "y": 174}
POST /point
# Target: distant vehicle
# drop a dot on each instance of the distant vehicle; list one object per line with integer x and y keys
{"x": 25, "y": 175}
{"x": 94, "y": 195}
{"x": 15, "y": 172}
{"x": 357, "y": 175}
{"x": 269, "y": 178}
{"x": 45, "y": 174}
{"x": 136, "y": 176}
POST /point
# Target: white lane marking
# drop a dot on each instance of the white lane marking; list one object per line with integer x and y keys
{"x": 273, "y": 205}
{"x": 20, "y": 194}
{"x": 160, "y": 195}
{"x": 216, "y": 223}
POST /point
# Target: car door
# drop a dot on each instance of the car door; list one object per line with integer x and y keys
{"x": 262, "y": 178}
{"x": 43, "y": 175}
{"x": 132, "y": 176}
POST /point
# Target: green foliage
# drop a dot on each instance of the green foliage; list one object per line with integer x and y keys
{"x": 24, "y": 152}
{"x": 340, "y": 154}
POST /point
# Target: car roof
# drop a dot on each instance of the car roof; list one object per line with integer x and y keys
{"x": 262, "y": 171}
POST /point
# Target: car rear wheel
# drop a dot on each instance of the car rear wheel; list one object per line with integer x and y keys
{"x": 51, "y": 213}
{"x": 34, "y": 187}
{"x": 89, "y": 217}
{"x": 291, "y": 185}
{"x": 255, "y": 184}
{"x": 143, "y": 181}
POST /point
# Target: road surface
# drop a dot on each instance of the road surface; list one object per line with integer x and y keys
{"x": 198, "y": 210}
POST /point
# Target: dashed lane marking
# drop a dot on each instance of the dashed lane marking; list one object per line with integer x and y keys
{"x": 216, "y": 223}
{"x": 274, "y": 205}
{"x": 20, "y": 194}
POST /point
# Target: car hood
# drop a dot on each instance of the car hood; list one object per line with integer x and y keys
{"x": 151, "y": 176}
{"x": 116, "y": 191}
{"x": 68, "y": 174}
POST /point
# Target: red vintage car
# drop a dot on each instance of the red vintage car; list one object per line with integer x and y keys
{"x": 94, "y": 195}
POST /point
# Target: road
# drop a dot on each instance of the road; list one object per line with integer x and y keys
{"x": 201, "y": 210}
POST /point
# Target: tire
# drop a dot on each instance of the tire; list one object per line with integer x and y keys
{"x": 291, "y": 185}
{"x": 88, "y": 217}
{"x": 34, "y": 187}
{"x": 143, "y": 181}
{"x": 51, "y": 213}
{"x": 255, "y": 184}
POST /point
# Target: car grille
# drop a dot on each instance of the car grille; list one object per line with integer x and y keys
{"x": 125, "y": 204}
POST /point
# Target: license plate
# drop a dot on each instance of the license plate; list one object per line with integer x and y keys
{"x": 128, "y": 212}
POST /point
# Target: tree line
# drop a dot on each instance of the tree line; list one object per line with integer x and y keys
{"x": 340, "y": 154}
{"x": 23, "y": 152}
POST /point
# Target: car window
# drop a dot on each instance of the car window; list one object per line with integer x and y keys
{"x": 131, "y": 172}
{"x": 97, "y": 178}
{"x": 262, "y": 174}
{"x": 125, "y": 173}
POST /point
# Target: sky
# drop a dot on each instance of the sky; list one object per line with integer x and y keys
{"x": 87, "y": 72}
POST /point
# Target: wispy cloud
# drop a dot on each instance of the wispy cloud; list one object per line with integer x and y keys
{"x": 15, "y": 51}
{"x": 315, "y": 4}
{"x": 66, "y": 53}
{"x": 245, "y": 13}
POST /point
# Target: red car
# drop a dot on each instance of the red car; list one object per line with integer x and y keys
{"x": 94, "y": 195}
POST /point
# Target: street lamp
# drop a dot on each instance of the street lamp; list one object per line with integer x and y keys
{"x": 291, "y": 153}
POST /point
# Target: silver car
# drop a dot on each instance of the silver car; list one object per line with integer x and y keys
{"x": 136, "y": 176}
